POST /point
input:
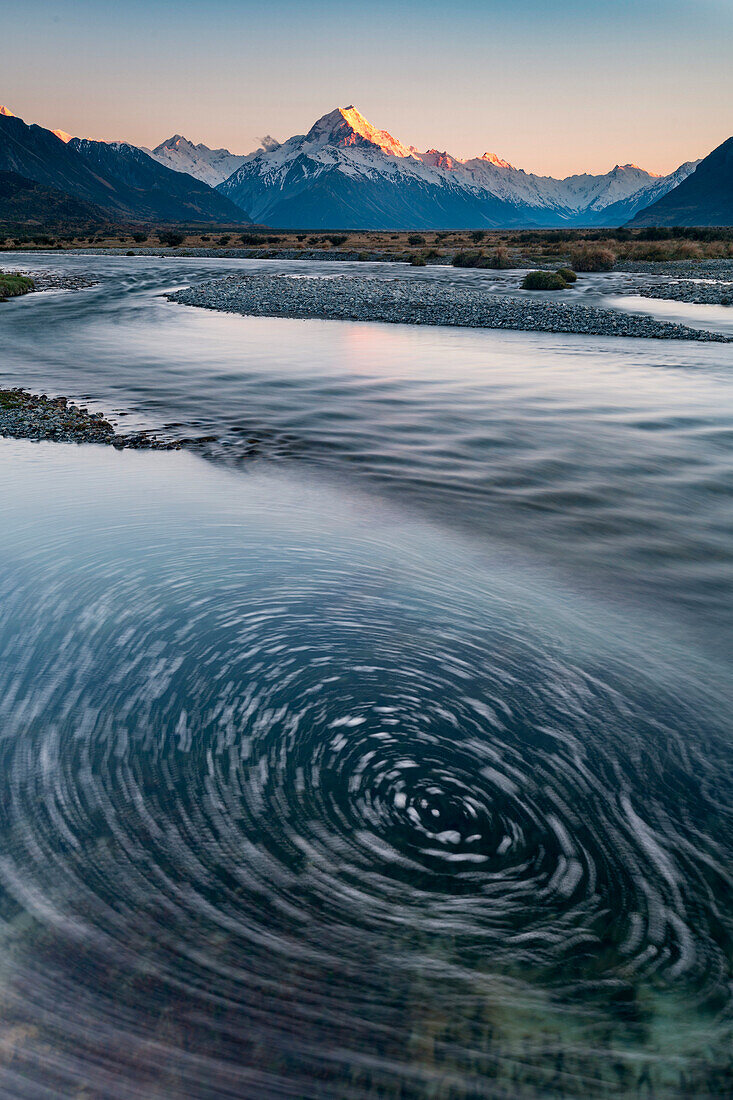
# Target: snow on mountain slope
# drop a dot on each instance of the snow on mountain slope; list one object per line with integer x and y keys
{"x": 273, "y": 185}
{"x": 209, "y": 165}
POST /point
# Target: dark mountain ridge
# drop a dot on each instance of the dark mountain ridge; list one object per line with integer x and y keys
{"x": 705, "y": 198}
{"x": 26, "y": 204}
{"x": 121, "y": 180}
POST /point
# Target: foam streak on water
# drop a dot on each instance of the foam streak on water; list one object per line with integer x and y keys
{"x": 304, "y": 799}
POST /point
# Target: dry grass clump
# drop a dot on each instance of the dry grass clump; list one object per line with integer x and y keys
{"x": 592, "y": 258}
{"x": 500, "y": 259}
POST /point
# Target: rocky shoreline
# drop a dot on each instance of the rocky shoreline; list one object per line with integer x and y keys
{"x": 403, "y": 300}
{"x": 50, "y": 280}
{"x": 39, "y": 418}
{"x": 702, "y": 283}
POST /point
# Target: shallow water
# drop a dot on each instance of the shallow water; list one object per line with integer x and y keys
{"x": 695, "y": 314}
{"x": 395, "y": 762}
{"x": 609, "y": 458}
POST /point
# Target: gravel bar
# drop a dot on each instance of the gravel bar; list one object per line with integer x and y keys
{"x": 703, "y": 282}
{"x": 26, "y": 415}
{"x": 403, "y": 300}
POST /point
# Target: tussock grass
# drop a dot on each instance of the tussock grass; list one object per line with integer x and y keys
{"x": 11, "y": 286}
{"x": 590, "y": 258}
{"x": 543, "y": 280}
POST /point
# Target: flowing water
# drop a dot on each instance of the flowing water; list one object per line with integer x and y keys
{"x": 388, "y": 753}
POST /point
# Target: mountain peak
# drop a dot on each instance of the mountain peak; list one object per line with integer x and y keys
{"x": 211, "y": 166}
{"x": 492, "y": 158}
{"x": 636, "y": 168}
{"x": 173, "y": 142}
{"x": 347, "y": 126}
{"x": 437, "y": 159}
{"x": 6, "y": 111}
{"x": 63, "y": 136}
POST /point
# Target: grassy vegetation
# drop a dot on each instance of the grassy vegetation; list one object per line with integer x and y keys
{"x": 588, "y": 257}
{"x": 498, "y": 249}
{"x": 13, "y": 285}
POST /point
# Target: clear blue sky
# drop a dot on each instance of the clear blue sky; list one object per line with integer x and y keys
{"x": 554, "y": 86}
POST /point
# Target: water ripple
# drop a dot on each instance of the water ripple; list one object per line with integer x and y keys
{"x": 336, "y": 813}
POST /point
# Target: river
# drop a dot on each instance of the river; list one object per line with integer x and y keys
{"x": 381, "y": 746}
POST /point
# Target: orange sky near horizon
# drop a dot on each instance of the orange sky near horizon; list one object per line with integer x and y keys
{"x": 554, "y": 88}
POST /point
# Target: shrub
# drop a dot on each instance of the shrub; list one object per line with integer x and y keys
{"x": 205, "y": 238}
{"x": 590, "y": 258}
{"x": 468, "y": 259}
{"x": 655, "y": 233}
{"x": 301, "y": 236}
{"x": 224, "y": 239}
{"x": 499, "y": 258}
{"x": 543, "y": 280}
{"x": 251, "y": 238}
{"x": 432, "y": 254}
{"x": 416, "y": 239}
{"x": 138, "y": 238}
{"x": 171, "y": 239}
{"x": 418, "y": 260}
{"x": 130, "y": 252}
{"x": 339, "y": 238}
{"x": 478, "y": 235}
{"x": 567, "y": 274}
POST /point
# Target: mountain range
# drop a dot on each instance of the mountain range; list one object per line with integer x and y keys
{"x": 343, "y": 174}
{"x": 212, "y": 166}
{"x": 122, "y": 182}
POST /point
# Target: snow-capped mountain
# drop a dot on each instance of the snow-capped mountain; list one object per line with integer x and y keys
{"x": 209, "y": 165}
{"x": 346, "y": 173}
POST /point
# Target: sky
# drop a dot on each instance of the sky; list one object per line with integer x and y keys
{"x": 554, "y": 87}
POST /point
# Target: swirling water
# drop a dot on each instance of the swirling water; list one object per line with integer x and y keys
{"x": 356, "y": 774}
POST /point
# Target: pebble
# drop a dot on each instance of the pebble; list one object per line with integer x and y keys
{"x": 708, "y": 282}
{"x": 404, "y": 300}
{"x": 26, "y": 415}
